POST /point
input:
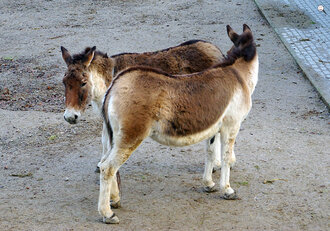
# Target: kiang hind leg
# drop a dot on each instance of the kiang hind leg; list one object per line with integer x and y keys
{"x": 122, "y": 147}
{"x": 215, "y": 146}
{"x": 108, "y": 182}
{"x": 115, "y": 192}
{"x": 108, "y": 169}
{"x": 105, "y": 146}
{"x": 228, "y": 136}
{"x": 209, "y": 165}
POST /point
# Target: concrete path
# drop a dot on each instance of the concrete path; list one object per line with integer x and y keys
{"x": 304, "y": 28}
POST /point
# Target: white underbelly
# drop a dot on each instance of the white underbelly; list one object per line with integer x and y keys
{"x": 184, "y": 140}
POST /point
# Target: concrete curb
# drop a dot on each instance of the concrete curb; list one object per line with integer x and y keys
{"x": 320, "y": 84}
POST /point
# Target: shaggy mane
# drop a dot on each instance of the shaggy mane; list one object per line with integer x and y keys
{"x": 190, "y": 42}
{"x": 82, "y": 56}
{"x": 248, "y": 51}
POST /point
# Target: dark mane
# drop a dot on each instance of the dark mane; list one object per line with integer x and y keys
{"x": 77, "y": 58}
{"x": 245, "y": 48}
{"x": 190, "y": 42}
{"x": 143, "y": 68}
{"x": 124, "y": 53}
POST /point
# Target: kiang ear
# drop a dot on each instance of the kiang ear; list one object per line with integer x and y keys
{"x": 89, "y": 56}
{"x": 232, "y": 34}
{"x": 246, "y": 28}
{"x": 66, "y": 56}
{"x": 87, "y": 49}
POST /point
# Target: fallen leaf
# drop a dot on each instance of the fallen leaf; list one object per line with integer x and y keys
{"x": 8, "y": 58}
{"x": 273, "y": 180}
{"x": 52, "y": 137}
{"x": 242, "y": 183}
{"x": 56, "y": 37}
{"x": 22, "y": 175}
{"x": 6, "y": 91}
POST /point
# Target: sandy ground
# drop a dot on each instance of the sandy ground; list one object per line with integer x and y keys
{"x": 47, "y": 179}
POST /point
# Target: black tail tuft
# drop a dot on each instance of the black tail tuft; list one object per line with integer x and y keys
{"x": 106, "y": 118}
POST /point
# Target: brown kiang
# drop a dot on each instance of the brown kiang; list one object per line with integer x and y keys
{"x": 93, "y": 69}
{"x": 178, "y": 110}
{"x": 189, "y": 57}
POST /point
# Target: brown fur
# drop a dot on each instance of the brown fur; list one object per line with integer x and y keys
{"x": 179, "y": 110}
{"x": 182, "y": 59}
{"x": 197, "y": 108}
{"x": 73, "y": 80}
{"x": 192, "y": 56}
{"x": 182, "y": 105}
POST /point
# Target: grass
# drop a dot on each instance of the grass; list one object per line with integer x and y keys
{"x": 242, "y": 183}
{"x": 8, "y": 58}
{"x": 52, "y": 137}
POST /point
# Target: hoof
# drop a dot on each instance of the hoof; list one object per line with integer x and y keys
{"x": 111, "y": 220}
{"x": 232, "y": 196}
{"x": 97, "y": 170}
{"x": 115, "y": 205}
{"x": 210, "y": 189}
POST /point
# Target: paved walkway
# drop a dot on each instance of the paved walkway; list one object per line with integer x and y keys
{"x": 305, "y": 31}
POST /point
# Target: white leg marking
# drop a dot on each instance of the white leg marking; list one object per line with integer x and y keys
{"x": 104, "y": 198}
{"x": 210, "y": 158}
{"x": 105, "y": 144}
{"x": 217, "y": 150}
{"x": 114, "y": 190}
{"x": 108, "y": 169}
{"x": 232, "y": 159}
{"x": 228, "y": 136}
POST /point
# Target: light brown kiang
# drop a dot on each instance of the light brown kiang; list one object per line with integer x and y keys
{"x": 178, "y": 110}
{"x": 90, "y": 73}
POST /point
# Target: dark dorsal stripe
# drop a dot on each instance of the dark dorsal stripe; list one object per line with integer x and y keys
{"x": 190, "y": 42}
{"x": 248, "y": 51}
{"x": 141, "y": 68}
{"x": 77, "y": 58}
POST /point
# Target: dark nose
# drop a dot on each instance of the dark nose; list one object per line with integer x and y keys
{"x": 71, "y": 120}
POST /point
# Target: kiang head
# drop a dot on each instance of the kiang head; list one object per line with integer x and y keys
{"x": 244, "y": 45}
{"x": 77, "y": 83}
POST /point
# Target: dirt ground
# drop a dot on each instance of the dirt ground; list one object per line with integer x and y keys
{"x": 47, "y": 179}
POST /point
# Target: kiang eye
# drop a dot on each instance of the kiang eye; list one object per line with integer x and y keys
{"x": 83, "y": 84}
